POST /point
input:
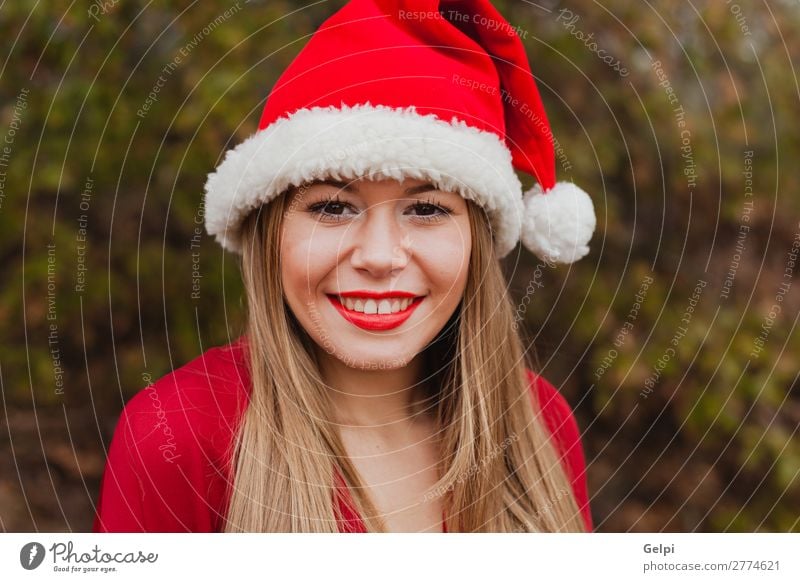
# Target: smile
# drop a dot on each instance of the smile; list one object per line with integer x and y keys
{"x": 375, "y": 314}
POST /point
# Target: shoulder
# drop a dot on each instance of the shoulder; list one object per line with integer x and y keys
{"x": 191, "y": 404}
{"x": 167, "y": 465}
{"x": 560, "y": 420}
{"x": 556, "y": 411}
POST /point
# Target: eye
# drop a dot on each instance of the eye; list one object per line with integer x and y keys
{"x": 329, "y": 210}
{"x": 333, "y": 209}
{"x": 430, "y": 210}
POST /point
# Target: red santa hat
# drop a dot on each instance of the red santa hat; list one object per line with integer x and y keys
{"x": 429, "y": 89}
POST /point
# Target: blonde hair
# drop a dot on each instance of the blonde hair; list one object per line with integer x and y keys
{"x": 499, "y": 471}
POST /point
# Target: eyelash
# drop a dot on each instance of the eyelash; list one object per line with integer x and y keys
{"x": 318, "y": 207}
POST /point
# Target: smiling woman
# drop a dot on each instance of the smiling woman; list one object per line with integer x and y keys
{"x": 394, "y": 405}
{"x": 380, "y": 384}
{"x": 359, "y": 249}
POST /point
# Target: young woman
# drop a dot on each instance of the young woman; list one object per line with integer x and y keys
{"x": 380, "y": 384}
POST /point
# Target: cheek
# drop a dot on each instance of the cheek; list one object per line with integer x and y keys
{"x": 307, "y": 256}
{"x": 447, "y": 258}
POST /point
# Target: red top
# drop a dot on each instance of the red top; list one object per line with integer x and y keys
{"x": 169, "y": 461}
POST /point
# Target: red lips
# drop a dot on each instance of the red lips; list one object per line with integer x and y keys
{"x": 377, "y": 294}
{"x": 377, "y": 321}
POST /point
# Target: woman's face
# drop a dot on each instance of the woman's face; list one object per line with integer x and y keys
{"x": 374, "y": 269}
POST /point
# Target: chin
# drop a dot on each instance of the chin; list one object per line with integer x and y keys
{"x": 375, "y": 359}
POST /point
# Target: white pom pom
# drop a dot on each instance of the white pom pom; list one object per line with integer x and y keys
{"x": 559, "y": 223}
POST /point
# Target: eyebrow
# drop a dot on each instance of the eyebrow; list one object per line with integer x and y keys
{"x": 349, "y": 187}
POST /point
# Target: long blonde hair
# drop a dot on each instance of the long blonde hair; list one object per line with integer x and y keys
{"x": 499, "y": 471}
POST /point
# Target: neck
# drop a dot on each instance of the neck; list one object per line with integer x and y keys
{"x": 367, "y": 398}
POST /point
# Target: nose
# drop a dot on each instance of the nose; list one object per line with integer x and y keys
{"x": 381, "y": 247}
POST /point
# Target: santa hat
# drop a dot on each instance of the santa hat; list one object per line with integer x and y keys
{"x": 427, "y": 89}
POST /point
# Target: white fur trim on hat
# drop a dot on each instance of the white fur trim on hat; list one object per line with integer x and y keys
{"x": 558, "y": 223}
{"x": 372, "y": 141}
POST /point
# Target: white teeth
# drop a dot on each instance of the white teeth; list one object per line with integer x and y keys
{"x": 370, "y": 306}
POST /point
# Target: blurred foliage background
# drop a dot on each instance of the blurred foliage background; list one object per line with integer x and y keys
{"x": 675, "y": 340}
